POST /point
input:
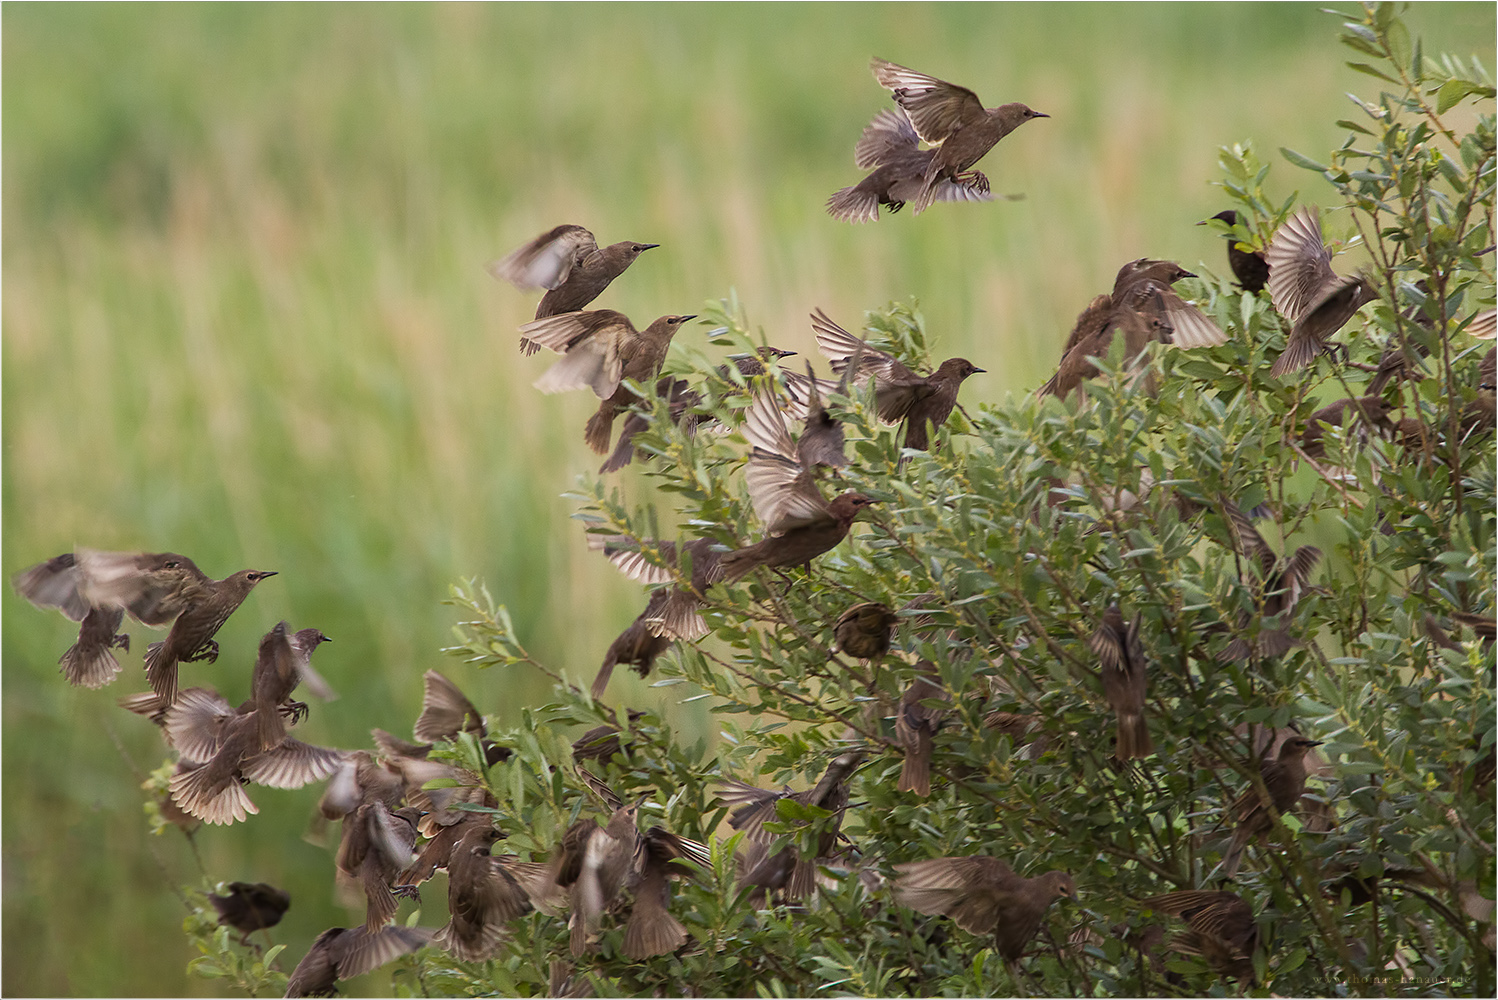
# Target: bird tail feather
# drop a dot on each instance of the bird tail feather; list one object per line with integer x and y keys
{"x": 854, "y": 204}
{"x": 161, "y": 671}
{"x": 601, "y": 428}
{"x": 1133, "y": 737}
{"x": 90, "y": 668}
{"x": 196, "y": 791}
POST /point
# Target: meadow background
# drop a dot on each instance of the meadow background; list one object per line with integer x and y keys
{"x": 246, "y": 318}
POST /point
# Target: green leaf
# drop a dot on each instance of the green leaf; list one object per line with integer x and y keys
{"x": 1301, "y": 160}
{"x": 1365, "y": 68}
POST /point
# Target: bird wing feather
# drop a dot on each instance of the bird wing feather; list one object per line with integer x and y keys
{"x": 547, "y": 260}
{"x": 936, "y": 108}
{"x": 1300, "y": 265}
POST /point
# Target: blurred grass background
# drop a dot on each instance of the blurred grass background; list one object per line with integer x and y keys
{"x": 246, "y": 318}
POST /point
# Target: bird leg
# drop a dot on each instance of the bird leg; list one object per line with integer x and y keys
{"x": 299, "y": 711}
{"x": 208, "y": 651}
{"x": 406, "y": 892}
{"x": 1339, "y": 353}
{"x": 974, "y": 179}
{"x": 122, "y": 641}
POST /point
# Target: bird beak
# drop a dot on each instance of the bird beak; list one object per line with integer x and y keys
{"x": 1314, "y": 743}
{"x": 1204, "y": 222}
{"x": 268, "y": 572}
{"x": 1188, "y": 274}
{"x": 648, "y": 246}
{"x": 979, "y": 371}
{"x": 1041, "y": 114}
{"x": 694, "y": 315}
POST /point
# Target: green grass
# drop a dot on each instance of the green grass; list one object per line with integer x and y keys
{"x": 246, "y": 318}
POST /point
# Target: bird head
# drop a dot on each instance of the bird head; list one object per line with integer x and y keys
{"x": 1016, "y": 114}
{"x": 635, "y": 249}
{"x": 847, "y": 506}
{"x": 961, "y": 368}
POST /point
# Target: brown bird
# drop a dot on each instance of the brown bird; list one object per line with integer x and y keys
{"x": 569, "y": 264}
{"x": 445, "y": 711}
{"x": 208, "y": 604}
{"x": 890, "y": 148}
{"x": 1121, "y": 655}
{"x": 638, "y": 645}
{"x": 600, "y": 349}
{"x": 820, "y": 441}
{"x": 808, "y": 525}
{"x": 1249, "y": 266}
{"x": 305, "y": 643}
{"x": 864, "y": 630}
{"x": 982, "y": 895}
{"x": 250, "y": 906}
{"x": 953, "y": 117}
{"x": 482, "y": 897}
{"x": 275, "y": 678}
{"x": 1307, "y": 292}
{"x": 602, "y": 742}
{"x": 1283, "y": 583}
{"x": 1285, "y": 781}
{"x": 220, "y": 752}
{"x": 439, "y": 804}
{"x": 915, "y": 727}
{"x": 786, "y": 869}
{"x": 899, "y": 393}
{"x": 341, "y": 953}
{"x": 651, "y": 929}
{"x": 594, "y": 860}
{"x": 360, "y": 780}
{"x": 1223, "y": 930}
{"x": 378, "y": 844}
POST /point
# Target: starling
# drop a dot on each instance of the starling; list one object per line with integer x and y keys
{"x": 482, "y": 896}
{"x": 594, "y": 861}
{"x": 982, "y": 895}
{"x": 864, "y": 630}
{"x": 651, "y": 929}
{"x": 820, "y": 441}
{"x": 341, "y": 953}
{"x": 1121, "y": 655}
{"x": 786, "y": 869}
{"x": 602, "y": 742}
{"x": 600, "y": 349}
{"x": 1223, "y": 930}
{"x": 378, "y": 844}
{"x": 1285, "y": 781}
{"x": 251, "y": 906}
{"x": 915, "y": 727}
{"x": 1248, "y": 265}
{"x": 952, "y": 119}
{"x": 276, "y": 677}
{"x": 445, "y": 711}
{"x": 220, "y": 752}
{"x": 637, "y": 645}
{"x": 208, "y": 604}
{"x": 808, "y": 527}
{"x": 899, "y": 393}
{"x": 1307, "y": 292}
{"x": 439, "y": 804}
{"x": 891, "y": 149}
{"x": 568, "y": 263}
{"x": 360, "y": 780}
{"x": 305, "y": 643}
{"x": 1281, "y": 589}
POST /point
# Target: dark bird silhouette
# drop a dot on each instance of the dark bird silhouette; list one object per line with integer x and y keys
{"x": 864, "y": 630}
{"x": 1280, "y": 590}
{"x": 1285, "y": 781}
{"x": 891, "y": 149}
{"x": 220, "y": 753}
{"x": 569, "y": 264}
{"x": 1222, "y": 929}
{"x": 250, "y": 906}
{"x": 1248, "y": 266}
{"x": 602, "y": 742}
{"x": 1307, "y": 292}
{"x": 600, "y": 349}
{"x": 1121, "y": 655}
{"x": 207, "y": 604}
{"x": 483, "y": 895}
{"x": 378, "y": 844}
{"x": 786, "y": 869}
{"x": 916, "y": 723}
{"x": 953, "y": 119}
{"x": 639, "y": 645}
{"x": 651, "y": 929}
{"x": 899, "y": 393}
{"x": 982, "y": 895}
{"x": 341, "y": 953}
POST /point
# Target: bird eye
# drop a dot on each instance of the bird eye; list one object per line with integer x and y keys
{"x": 172, "y": 564}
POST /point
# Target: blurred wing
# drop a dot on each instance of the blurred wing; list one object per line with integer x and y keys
{"x": 756, "y": 805}
{"x": 1246, "y": 538}
{"x": 889, "y": 134}
{"x": 765, "y": 427}
{"x": 364, "y": 952}
{"x": 784, "y": 494}
{"x": 936, "y": 107}
{"x": 445, "y": 711}
{"x": 1300, "y": 265}
{"x": 947, "y": 190}
{"x": 291, "y": 764}
{"x": 196, "y": 723}
{"x": 633, "y": 562}
{"x": 801, "y": 390}
{"x": 546, "y": 261}
{"x": 1191, "y": 326}
{"x": 894, "y": 384}
{"x": 591, "y": 364}
{"x": 54, "y": 584}
{"x": 1484, "y": 326}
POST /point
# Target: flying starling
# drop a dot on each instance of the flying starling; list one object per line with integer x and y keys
{"x": 600, "y": 349}
{"x": 568, "y": 263}
{"x": 209, "y": 603}
{"x": 1121, "y": 656}
{"x": 1283, "y": 583}
{"x": 1307, "y": 292}
{"x": 820, "y": 441}
{"x": 899, "y": 393}
{"x": 482, "y": 897}
{"x": 982, "y": 895}
{"x": 952, "y": 119}
{"x": 915, "y": 727}
{"x": 305, "y": 643}
{"x": 1223, "y": 930}
{"x": 1285, "y": 781}
{"x": 891, "y": 149}
{"x": 651, "y": 929}
{"x": 340, "y": 953}
{"x": 440, "y": 804}
{"x": 637, "y": 645}
{"x": 275, "y": 678}
{"x": 602, "y": 742}
{"x": 378, "y": 844}
{"x": 594, "y": 860}
{"x": 251, "y": 906}
{"x": 786, "y": 869}
{"x": 1248, "y": 265}
{"x": 220, "y": 752}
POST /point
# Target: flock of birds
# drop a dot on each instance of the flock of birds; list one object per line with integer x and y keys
{"x": 399, "y": 827}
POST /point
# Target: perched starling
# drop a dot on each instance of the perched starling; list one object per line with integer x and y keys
{"x": 953, "y": 117}
{"x": 786, "y": 869}
{"x": 600, "y": 349}
{"x": 568, "y": 263}
{"x": 891, "y": 149}
{"x": 864, "y": 630}
{"x": 340, "y": 953}
{"x": 251, "y": 906}
{"x": 1121, "y": 655}
{"x": 915, "y": 727}
{"x": 982, "y": 896}
{"x": 1223, "y": 930}
{"x": 807, "y": 527}
{"x": 209, "y": 603}
{"x": 483, "y": 895}
{"x": 899, "y": 393}
{"x": 220, "y": 752}
{"x": 1285, "y": 781}
{"x": 1248, "y": 265}
{"x": 1279, "y": 592}
{"x": 651, "y": 929}
{"x": 1307, "y": 292}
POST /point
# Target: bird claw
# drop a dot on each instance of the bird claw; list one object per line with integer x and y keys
{"x": 122, "y": 641}
{"x": 299, "y": 711}
{"x": 1339, "y": 352}
{"x": 407, "y": 892}
{"x": 207, "y": 652}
